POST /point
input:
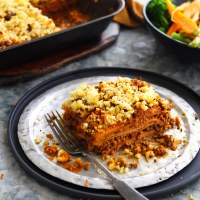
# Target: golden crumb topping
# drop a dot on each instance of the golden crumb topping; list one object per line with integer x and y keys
{"x": 20, "y": 22}
{"x": 113, "y": 101}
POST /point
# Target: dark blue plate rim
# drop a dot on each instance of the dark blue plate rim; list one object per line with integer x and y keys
{"x": 186, "y": 176}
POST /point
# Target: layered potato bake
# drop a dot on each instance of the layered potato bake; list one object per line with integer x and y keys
{"x": 24, "y": 20}
{"x": 125, "y": 114}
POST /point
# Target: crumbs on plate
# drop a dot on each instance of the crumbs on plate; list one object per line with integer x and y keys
{"x": 60, "y": 156}
{"x": 191, "y": 197}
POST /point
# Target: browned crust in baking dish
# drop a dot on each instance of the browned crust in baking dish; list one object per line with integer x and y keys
{"x": 24, "y": 20}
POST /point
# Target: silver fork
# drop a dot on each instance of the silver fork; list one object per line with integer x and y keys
{"x": 72, "y": 145}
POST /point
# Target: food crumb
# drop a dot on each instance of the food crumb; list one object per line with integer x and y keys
{"x": 191, "y": 197}
{"x": 119, "y": 164}
{"x": 196, "y": 116}
{"x": 126, "y": 151}
{"x": 45, "y": 143}
{"x": 50, "y": 136}
{"x": 86, "y": 183}
{"x": 137, "y": 156}
{"x": 86, "y": 165}
{"x": 51, "y": 151}
{"x": 63, "y": 156}
{"x": 38, "y": 139}
{"x": 1, "y": 176}
{"x": 141, "y": 173}
{"x": 126, "y": 170}
{"x": 99, "y": 171}
{"x": 76, "y": 166}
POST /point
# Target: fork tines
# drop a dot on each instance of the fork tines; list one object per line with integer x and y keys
{"x": 62, "y": 132}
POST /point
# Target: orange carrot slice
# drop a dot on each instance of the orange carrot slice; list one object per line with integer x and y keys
{"x": 170, "y": 7}
{"x": 183, "y": 6}
{"x": 185, "y": 23}
{"x": 173, "y": 28}
{"x": 193, "y": 10}
{"x": 195, "y": 17}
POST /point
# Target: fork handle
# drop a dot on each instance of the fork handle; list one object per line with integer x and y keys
{"x": 121, "y": 186}
{"x": 127, "y": 191}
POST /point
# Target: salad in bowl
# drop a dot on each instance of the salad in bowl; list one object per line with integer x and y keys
{"x": 179, "y": 20}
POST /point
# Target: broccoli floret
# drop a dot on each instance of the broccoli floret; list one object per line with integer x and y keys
{"x": 158, "y": 14}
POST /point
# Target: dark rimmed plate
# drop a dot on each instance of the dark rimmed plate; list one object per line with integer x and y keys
{"x": 175, "y": 183}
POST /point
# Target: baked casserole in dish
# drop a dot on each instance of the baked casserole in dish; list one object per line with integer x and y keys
{"x": 31, "y": 28}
